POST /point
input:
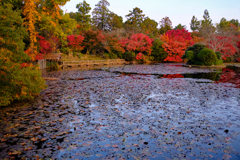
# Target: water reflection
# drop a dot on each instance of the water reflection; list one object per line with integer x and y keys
{"x": 128, "y": 112}
{"x": 230, "y": 75}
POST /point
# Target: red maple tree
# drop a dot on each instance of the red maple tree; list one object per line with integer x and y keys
{"x": 223, "y": 44}
{"x": 112, "y": 44}
{"x": 238, "y": 46}
{"x": 94, "y": 41}
{"x": 175, "y": 44}
{"x": 38, "y": 56}
{"x": 137, "y": 43}
{"x": 44, "y": 45}
{"x": 140, "y": 56}
{"x": 75, "y": 42}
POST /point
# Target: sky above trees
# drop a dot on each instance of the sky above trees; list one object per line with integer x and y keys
{"x": 179, "y": 11}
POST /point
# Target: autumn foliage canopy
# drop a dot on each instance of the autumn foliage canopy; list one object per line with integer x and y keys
{"x": 75, "y": 42}
{"x": 175, "y": 44}
{"x": 223, "y": 45}
{"x": 140, "y": 56}
{"x": 137, "y": 43}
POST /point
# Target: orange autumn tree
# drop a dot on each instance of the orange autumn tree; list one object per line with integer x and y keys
{"x": 18, "y": 79}
{"x": 94, "y": 42}
{"x": 54, "y": 25}
{"x": 112, "y": 44}
{"x": 31, "y": 14}
{"x": 51, "y": 7}
{"x": 75, "y": 42}
{"x": 175, "y": 44}
{"x": 196, "y": 36}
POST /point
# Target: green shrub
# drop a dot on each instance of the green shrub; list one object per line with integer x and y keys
{"x": 157, "y": 51}
{"x": 129, "y": 56}
{"x": 198, "y": 54}
{"x": 150, "y": 35}
{"x": 219, "y": 55}
{"x": 110, "y": 56}
{"x": 75, "y": 54}
{"x": 65, "y": 50}
{"x": 189, "y": 55}
{"x": 79, "y": 55}
{"x": 207, "y": 56}
{"x": 119, "y": 54}
{"x": 19, "y": 79}
{"x": 113, "y": 56}
{"x": 196, "y": 48}
{"x": 18, "y": 82}
{"x": 151, "y": 58}
{"x": 199, "y": 63}
{"x": 106, "y": 56}
{"x": 218, "y": 62}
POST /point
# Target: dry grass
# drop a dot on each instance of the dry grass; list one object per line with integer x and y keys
{"x": 50, "y": 79}
{"x": 233, "y": 64}
{"x": 82, "y": 57}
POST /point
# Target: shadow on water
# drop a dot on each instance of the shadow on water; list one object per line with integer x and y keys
{"x": 214, "y": 76}
{"x": 230, "y": 74}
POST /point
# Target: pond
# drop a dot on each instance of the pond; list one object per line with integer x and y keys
{"x": 163, "y": 111}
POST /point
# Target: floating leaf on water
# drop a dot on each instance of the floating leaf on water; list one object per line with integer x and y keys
{"x": 34, "y": 139}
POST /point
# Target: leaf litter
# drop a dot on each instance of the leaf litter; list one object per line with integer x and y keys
{"x": 127, "y": 112}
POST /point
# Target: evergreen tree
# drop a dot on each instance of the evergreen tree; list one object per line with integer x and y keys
{"x": 134, "y": 19}
{"x": 206, "y": 28}
{"x": 149, "y": 26}
{"x": 206, "y": 19}
{"x": 180, "y": 26}
{"x": 165, "y": 25}
{"x": 115, "y": 21}
{"x": 82, "y": 16}
{"x": 101, "y": 15}
{"x": 235, "y": 22}
{"x": 194, "y": 25}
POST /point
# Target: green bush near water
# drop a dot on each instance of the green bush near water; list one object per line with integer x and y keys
{"x": 129, "y": 56}
{"x": 158, "y": 52}
{"x": 65, "y": 50}
{"x": 110, "y": 56}
{"x": 191, "y": 54}
{"x": 198, "y": 54}
{"x": 207, "y": 56}
{"x": 19, "y": 79}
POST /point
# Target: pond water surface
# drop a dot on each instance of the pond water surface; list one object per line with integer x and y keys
{"x": 163, "y": 111}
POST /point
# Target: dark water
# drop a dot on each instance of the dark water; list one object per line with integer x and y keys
{"x": 161, "y": 111}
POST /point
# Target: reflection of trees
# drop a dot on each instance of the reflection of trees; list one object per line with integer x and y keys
{"x": 230, "y": 76}
{"x": 214, "y": 76}
{"x": 173, "y": 76}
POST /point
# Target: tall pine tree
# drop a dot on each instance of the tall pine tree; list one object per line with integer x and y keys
{"x": 101, "y": 15}
{"x": 82, "y": 16}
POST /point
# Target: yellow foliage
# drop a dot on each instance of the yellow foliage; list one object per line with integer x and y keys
{"x": 17, "y": 96}
{"x": 164, "y": 38}
{"x": 24, "y": 93}
{"x": 31, "y": 14}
